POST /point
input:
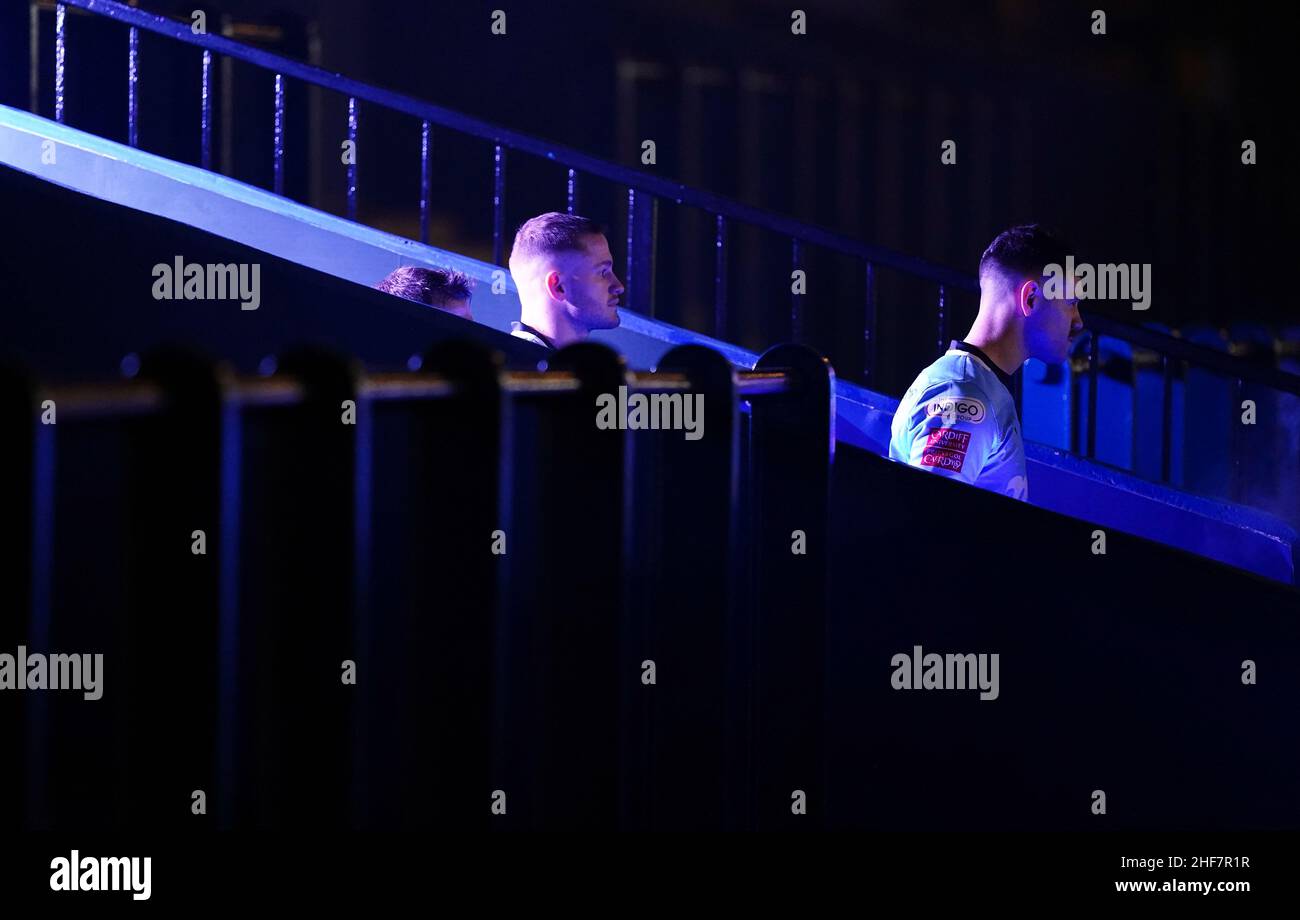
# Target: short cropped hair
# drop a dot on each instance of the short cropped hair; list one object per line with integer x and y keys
{"x": 436, "y": 287}
{"x": 553, "y": 232}
{"x": 1023, "y": 251}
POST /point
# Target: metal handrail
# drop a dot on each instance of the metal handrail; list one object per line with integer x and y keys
{"x": 144, "y": 397}
{"x": 644, "y": 190}
{"x": 514, "y": 140}
{"x": 1206, "y": 358}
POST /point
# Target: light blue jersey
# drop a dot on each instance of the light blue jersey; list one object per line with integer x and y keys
{"x": 958, "y": 419}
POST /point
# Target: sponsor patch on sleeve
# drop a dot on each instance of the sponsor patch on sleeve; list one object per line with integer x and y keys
{"x": 945, "y": 448}
{"x": 957, "y": 409}
{"x": 948, "y": 439}
{"x": 944, "y": 459}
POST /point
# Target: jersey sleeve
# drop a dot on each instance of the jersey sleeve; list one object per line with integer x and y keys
{"x": 951, "y": 431}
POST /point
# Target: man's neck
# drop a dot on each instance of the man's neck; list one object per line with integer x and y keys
{"x": 1005, "y": 350}
{"x": 558, "y": 328}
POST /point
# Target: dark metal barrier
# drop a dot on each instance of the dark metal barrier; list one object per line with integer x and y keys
{"x": 298, "y": 552}
{"x": 329, "y": 599}
{"x": 425, "y": 625}
{"x": 1128, "y": 672}
{"x": 790, "y": 443}
{"x": 688, "y": 727}
{"x": 561, "y": 595}
{"x": 558, "y": 625}
{"x": 117, "y": 483}
{"x": 170, "y": 691}
{"x": 19, "y": 414}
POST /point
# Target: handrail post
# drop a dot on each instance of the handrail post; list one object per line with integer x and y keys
{"x": 33, "y": 59}
{"x": 571, "y": 192}
{"x": 1166, "y": 418}
{"x": 720, "y": 278}
{"x": 1237, "y": 483}
{"x": 279, "y": 135}
{"x": 869, "y": 370}
{"x": 642, "y": 228}
{"x": 352, "y": 162}
{"x": 796, "y": 295}
{"x": 205, "y": 113}
{"x": 426, "y": 180}
{"x": 132, "y": 87}
{"x": 1094, "y": 358}
{"x": 498, "y": 204}
{"x": 944, "y": 338}
{"x": 60, "y": 57}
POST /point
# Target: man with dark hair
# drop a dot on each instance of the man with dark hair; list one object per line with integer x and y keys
{"x": 958, "y": 418}
{"x": 565, "y": 276}
{"x": 444, "y": 288}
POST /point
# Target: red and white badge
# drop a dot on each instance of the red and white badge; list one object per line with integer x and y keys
{"x": 945, "y": 448}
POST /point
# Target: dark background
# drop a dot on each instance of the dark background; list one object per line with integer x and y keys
{"x": 1130, "y": 142}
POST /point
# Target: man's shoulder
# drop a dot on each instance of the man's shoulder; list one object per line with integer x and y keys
{"x": 950, "y": 378}
{"x": 526, "y": 335}
{"x": 959, "y": 369}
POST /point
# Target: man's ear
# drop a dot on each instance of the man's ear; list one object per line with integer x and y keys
{"x": 1028, "y": 293}
{"x": 553, "y": 285}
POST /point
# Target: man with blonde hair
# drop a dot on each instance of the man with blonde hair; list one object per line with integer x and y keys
{"x": 565, "y": 276}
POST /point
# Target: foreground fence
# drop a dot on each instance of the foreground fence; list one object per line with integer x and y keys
{"x": 447, "y": 597}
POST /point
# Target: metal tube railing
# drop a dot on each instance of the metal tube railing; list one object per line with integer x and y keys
{"x": 118, "y": 398}
{"x": 575, "y": 160}
{"x": 115, "y": 398}
{"x": 265, "y": 392}
{"x": 1205, "y": 358}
